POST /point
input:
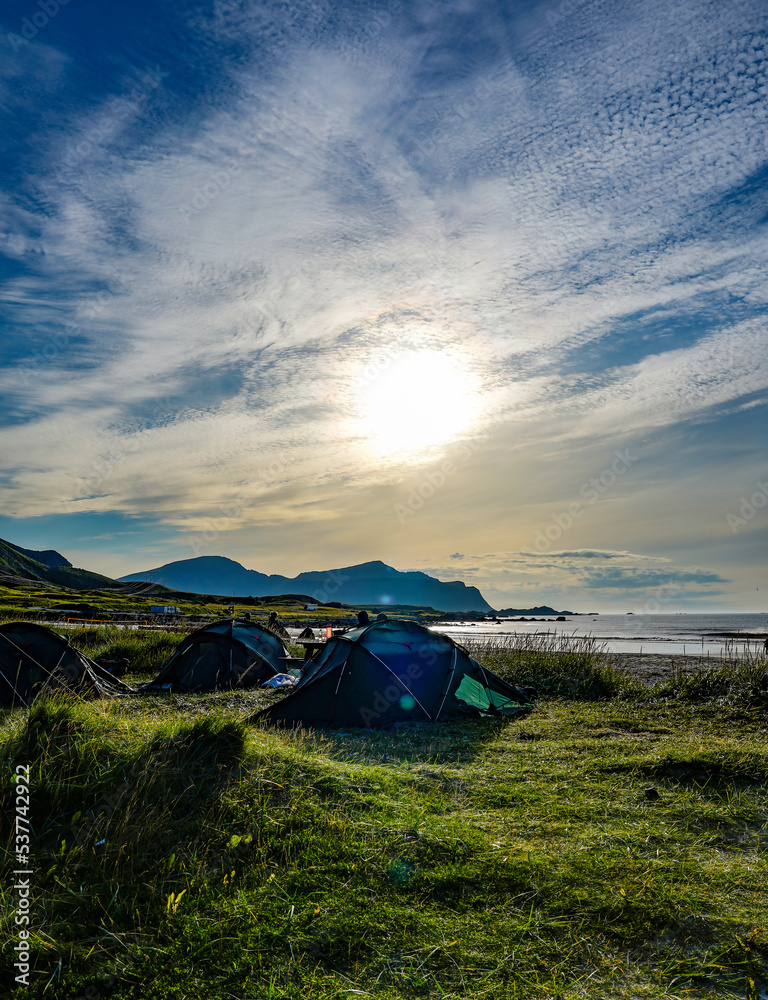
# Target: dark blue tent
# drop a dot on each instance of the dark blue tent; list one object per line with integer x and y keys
{"x": 36, "y": 660}
{"x": 226, "y": 654}
{"x": 393, "y": 671}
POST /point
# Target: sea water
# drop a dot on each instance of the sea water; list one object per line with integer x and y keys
{"x": 693, "y": 634}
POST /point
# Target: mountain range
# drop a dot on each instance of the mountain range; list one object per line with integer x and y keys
{"x": 367, "y": 583}
{"x": 371, "y": 583}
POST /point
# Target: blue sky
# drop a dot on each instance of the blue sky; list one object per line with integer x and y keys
{"x": 473, "y": 288}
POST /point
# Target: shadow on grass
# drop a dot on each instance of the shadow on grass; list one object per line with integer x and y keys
{"x": 452, "y": 741}
{"x": 702, "y": 773}
{"x": 88, "y": 782}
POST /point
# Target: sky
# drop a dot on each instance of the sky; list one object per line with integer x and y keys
{"x": 473, "y": 288}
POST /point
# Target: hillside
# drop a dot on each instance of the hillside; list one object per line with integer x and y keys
{"x": 48, "y": 567}
{"x": 371, "y": 583}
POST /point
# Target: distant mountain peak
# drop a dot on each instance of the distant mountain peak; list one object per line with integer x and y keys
{"x": 48, "y": 557}
{"x": 46, "y": 565}
{"x": 212, "y": 561}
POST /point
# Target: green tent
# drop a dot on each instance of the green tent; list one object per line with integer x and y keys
{"x": 34, "y": 659}
{"x": 225, "y": 654}
{"x": 393, "y": 671}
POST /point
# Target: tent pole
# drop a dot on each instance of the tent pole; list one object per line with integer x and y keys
{"x": 25, "y": 653}
{"x": 485, "y": 681}
{"x": 30, "y": 657}
{"x": 48, "y": 679}
{"x": 58, "y": 664}
{"x": 336, "y": 693}
{"x": 399, "y": 681}
{"x": 454, "y": 659}
{"x": 13, "y": 689}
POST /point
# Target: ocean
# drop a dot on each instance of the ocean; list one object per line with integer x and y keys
{"x": 672, "y": 634}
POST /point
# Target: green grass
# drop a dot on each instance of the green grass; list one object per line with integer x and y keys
{"x": 555, "y": 664}
{"x": 582, "y": 668}
{"x": 181, "y": 853}
{"x": 47, "y": 603}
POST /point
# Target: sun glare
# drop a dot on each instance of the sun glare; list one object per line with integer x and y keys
{"x": 416, "y": 401}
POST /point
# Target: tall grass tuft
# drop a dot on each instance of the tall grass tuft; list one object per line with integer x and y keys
{"x": 146, "y": 651}
{"x": 742, "y": 676}
{"x": 555, "y": 665}
{"x": 123, "y": 819}
{"x": 560, "y": 666}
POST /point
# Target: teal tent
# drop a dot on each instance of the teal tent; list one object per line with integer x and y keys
{"x": 36, "y": 660}
{"x": 226, "y": 654}
{"x": 393, "y": 671}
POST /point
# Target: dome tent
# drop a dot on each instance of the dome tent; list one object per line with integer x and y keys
{"x": 393, "y": 671}
{"x": 225, "y": 654}
{"x": 34, "y": 659}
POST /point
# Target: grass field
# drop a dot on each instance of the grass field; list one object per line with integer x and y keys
{"x": 45, "y": 603}
{"x": 611, "y": 843}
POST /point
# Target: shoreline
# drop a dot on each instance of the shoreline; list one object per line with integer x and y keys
{"x": 661, "y": 666}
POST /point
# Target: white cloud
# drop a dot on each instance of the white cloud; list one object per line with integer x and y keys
{"x": 229, "y": 274}
{"x": 603, "y": 577}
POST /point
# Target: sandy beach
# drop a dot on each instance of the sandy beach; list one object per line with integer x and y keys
{"x": 652, "y": 667}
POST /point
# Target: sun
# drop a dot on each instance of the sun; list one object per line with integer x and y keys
{"x": 417, "y": 400}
